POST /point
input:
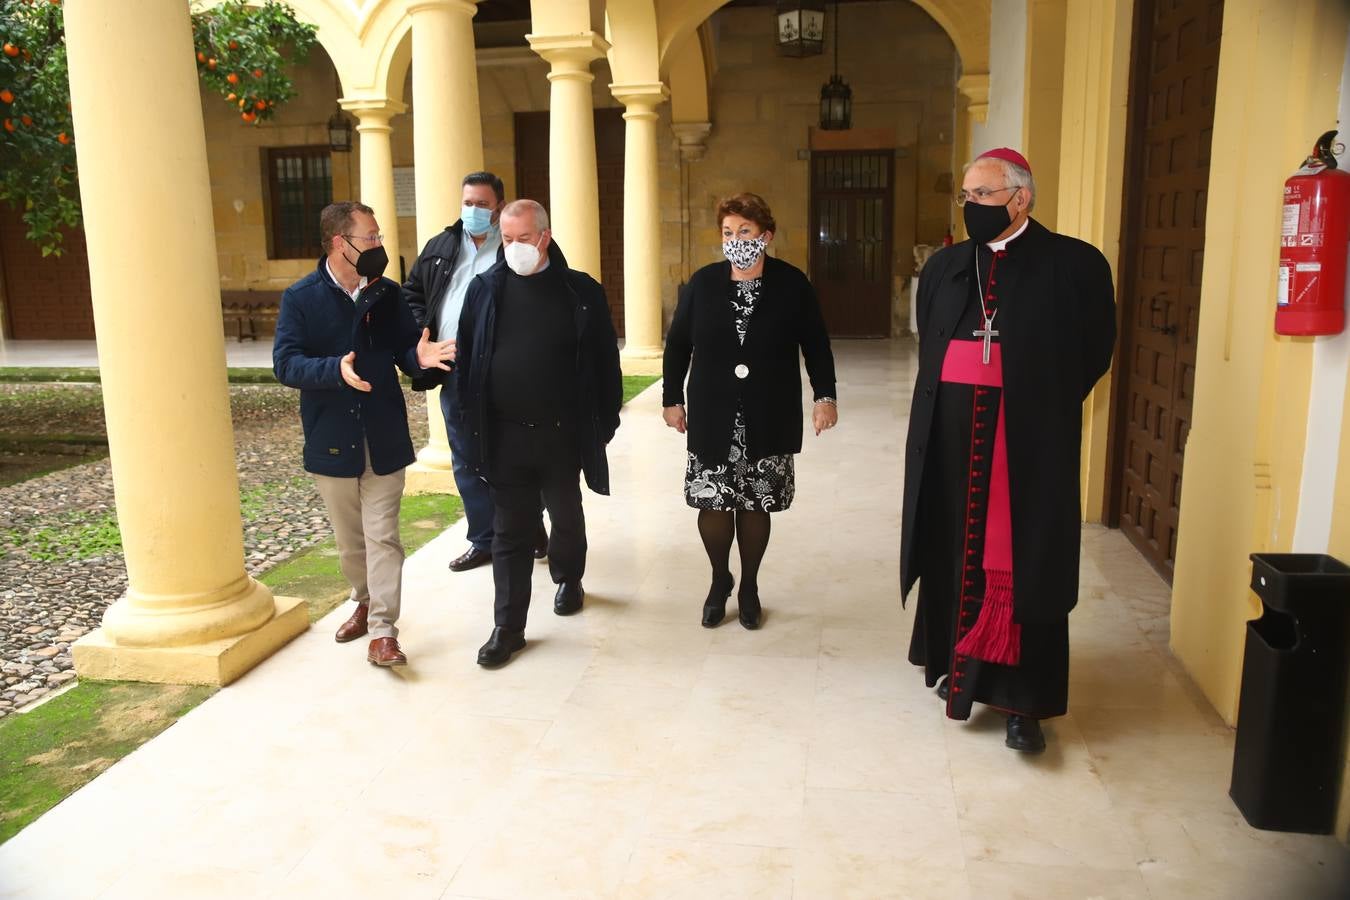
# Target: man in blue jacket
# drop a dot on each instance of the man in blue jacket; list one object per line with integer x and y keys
{"x": 341, "y": 331}
{"x": 540, "y": 390}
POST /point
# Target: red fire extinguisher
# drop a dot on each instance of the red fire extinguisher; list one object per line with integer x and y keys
{"x": 1314, "y": 239}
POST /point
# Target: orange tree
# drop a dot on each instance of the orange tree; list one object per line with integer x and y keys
{"x": 242, "y": 51}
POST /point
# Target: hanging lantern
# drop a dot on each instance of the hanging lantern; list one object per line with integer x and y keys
{"x": 836, "y": 105}
{"x": 801, "y": 28}
{"x": 339, "y": 132}
{"x": 836, "y": 97}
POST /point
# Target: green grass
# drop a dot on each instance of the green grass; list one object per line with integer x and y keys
{"x": 636, "y": 384}
{"x": 89, "y": 375}
{"x": 75, "y": 537}
{"x": 56, "y": 748}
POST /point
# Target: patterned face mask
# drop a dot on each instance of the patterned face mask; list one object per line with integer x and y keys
{"x": 744, "y": 254}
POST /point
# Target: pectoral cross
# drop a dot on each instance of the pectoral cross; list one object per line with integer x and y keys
{"x": 988, "y": 332}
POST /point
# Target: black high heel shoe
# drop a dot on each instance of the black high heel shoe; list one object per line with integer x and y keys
{"x": 715, "y": 607}
{"x": 748, "y": 609}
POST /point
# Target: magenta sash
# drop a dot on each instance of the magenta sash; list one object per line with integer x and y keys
{"x": 994, "y": 637}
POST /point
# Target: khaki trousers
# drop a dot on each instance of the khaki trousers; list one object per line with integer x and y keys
{"x": 364, "y": 514}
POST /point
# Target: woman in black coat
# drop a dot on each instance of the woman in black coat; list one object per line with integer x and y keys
{"x": 741, "y": 323}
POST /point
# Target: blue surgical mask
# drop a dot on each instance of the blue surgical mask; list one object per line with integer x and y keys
{"x": 477, "y": 220}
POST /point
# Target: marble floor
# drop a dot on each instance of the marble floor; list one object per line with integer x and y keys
{"x": 629, "y": 753}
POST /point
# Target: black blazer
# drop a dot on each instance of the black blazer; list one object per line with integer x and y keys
{"x": 786, "y": 317}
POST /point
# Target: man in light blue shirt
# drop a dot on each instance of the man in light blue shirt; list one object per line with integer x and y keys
{"x": 435, "y": 292}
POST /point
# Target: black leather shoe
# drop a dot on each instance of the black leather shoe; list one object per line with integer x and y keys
{"x": 944, "y": 688}
{"x": 541, "y": 542}
{"x": 715, "y": 607}
{"x": 497, "y": 651}
{"x": 568, "y": 599}
{"x": 748, "y": 609}
{"x": 1025, "y": 735}
{"x": 472, "y": 559}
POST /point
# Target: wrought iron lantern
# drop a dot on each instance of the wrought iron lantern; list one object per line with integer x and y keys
{"x": 801, "y": 27}
{"x": 339, "y": 132}
{"x": 836, "y": 97}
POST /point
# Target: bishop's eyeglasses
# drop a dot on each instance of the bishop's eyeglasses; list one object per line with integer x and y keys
{"x": 981, "y": 194}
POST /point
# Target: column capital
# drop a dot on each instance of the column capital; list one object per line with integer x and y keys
{"x": 468, "y": 7}
{"x": 641, "y": 99}
{"x": 693, "y": 138}
{"x": 570, "y": 55}
{"x": 373, "y": 112}
{"x": 975, "y": 88}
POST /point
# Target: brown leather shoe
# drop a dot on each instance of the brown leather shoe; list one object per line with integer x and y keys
{"x": 385, "y": 652}
{"x": 354, "y": 627}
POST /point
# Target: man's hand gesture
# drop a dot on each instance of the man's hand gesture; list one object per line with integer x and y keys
{"x": 434, "y": 354}
{"x": 348, "y": 369}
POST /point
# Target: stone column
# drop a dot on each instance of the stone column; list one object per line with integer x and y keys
{"x": 377, "y": 166}
{"x": 642, "y": 228}
{"x": 574, "y": 204}
{"x": 191, "y": 612}
{"x": 447, "y": 145}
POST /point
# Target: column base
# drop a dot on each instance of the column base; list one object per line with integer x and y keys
{"x": 422, "y": 478}
{"x": 219, "y": 662}
{"x": 641, "y": 360}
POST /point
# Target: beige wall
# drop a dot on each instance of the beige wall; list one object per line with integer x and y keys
{"x": 901, "y": 66}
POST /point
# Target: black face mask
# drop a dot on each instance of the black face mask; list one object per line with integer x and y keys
{"x": 370, "y": 263}
{"x": 984, "y": 223}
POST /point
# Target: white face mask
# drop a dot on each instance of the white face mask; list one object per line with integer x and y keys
{"x": 523, "y": 258}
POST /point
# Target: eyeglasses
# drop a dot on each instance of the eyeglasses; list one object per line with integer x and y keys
{"x": 980, "y": 194}
{"x": 377, "y": 239}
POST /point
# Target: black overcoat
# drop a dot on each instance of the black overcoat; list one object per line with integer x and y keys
{"x": 599, "y": 379}
{"x": 786, "y": 317}
{"x": 1057, "y": 324}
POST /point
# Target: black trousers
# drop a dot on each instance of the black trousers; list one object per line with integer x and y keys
{"x": 527, "y": 463}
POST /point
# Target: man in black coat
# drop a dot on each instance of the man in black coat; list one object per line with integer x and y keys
{"x": 1016, "y": 325}
{"x": 341, "y": 331}
{"x": 540, "y": 390}
{"x": 435, "y": 291}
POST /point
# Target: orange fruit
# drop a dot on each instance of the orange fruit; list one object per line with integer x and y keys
{"x": 63, "y": 137}
{"x": 6, "y": 96}
{"x": 211, "y": 64}
{"x": 27, "y": 120}
{"x": 231, "y": 97}
{"x": 260, "y": 104}
{"x": 201, "y": 57}
{"x": 242, "y": 103}
{"x": 248, "y": 116}
{"x": 234, "y": 45}
{"x": 232, "y": 78}
{"x": 9, "y": 126}
{"x": 257, "y": 73}
{"x": 11, "y": 50}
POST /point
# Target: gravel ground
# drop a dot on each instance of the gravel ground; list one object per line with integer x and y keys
{"x": 60, "y": 563}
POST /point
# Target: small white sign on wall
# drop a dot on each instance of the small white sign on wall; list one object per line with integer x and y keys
{"x": 405, "y": 192}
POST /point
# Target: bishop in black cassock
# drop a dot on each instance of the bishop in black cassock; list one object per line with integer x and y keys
{"x": 1016, "y": 325}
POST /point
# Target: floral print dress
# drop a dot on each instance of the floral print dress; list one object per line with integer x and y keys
{"x": 738, "y": 483}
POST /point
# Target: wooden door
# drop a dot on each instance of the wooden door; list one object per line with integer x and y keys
{"x": 46, "y": 297}
{"x": 532, "y": 183}
{"x": 1175, "y": 68}
{"x": 852, "y": 206}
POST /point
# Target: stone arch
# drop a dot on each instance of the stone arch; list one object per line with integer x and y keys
{"x": 965, "y": 21}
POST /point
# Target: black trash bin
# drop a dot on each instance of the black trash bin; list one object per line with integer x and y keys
{"x": 1287, "y": 760}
